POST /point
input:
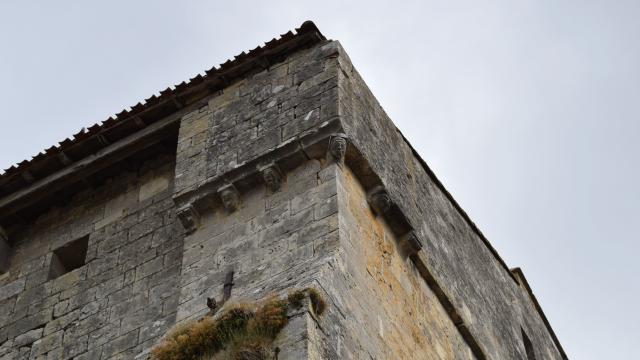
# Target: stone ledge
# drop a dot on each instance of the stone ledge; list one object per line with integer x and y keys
{"x": 269, "y": 169}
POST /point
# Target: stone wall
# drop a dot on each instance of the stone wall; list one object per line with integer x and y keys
{"x": 390, "y": 311}
{"x": 122, "y": 299}
{"x": 257, "y": 114}
{"x": 490, "y": 302}
{"x": 275, "y": 242}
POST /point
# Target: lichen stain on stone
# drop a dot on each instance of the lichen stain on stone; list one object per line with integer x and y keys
{"x": 414, "y": 324}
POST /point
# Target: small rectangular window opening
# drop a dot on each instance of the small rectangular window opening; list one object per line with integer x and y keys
{"x": 5, "y": 249}
{"x": 68, "y": 257}
{"x": 528, "y": 346}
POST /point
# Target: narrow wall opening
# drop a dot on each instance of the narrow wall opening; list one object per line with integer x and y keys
{"x": 4, "y": 252}
{"x": 68, "y": 257}
{"x": 528, "y": 346}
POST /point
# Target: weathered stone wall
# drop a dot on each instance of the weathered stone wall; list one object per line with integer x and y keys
{"x": 277, "y": 241}
{"x": 390, "y": 311}
{"x": 488, "y": 299}
{"x": 122, "y": 299}
{"x": 274, "y": 243}
{"x": 257, "y": 114}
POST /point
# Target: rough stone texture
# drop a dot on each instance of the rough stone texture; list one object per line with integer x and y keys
{"x": 106, "y": 308}
{"x": 314, "y": 226}
{"x": 256, "y": 115}
{"x": 489, "y": 300}
{"x": 392, "y": 313}
{"x": 275, "y": 242}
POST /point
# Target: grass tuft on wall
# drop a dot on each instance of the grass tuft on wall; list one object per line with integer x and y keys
{"x": 239, "y": 332}
{"x": 317, "y": 301}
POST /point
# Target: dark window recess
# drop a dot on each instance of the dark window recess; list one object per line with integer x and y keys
{"x": 5, "y": 249}
{"x": 528, "y": 346}
{"x": 68, "y": 257}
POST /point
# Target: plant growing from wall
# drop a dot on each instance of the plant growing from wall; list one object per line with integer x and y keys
{"x": 238, "y": 332}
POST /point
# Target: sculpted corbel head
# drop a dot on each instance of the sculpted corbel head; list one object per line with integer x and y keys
{"x": 338, "y": 147}
{"x": 272, "y": 177}
{"x": 379, "y": 200}
{"x": 410, "y": 243}
{"x": 189, "y": 217}
{"x": 230, "y": 197}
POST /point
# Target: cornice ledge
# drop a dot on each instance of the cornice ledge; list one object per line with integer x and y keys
{"x": 269, "y": 169}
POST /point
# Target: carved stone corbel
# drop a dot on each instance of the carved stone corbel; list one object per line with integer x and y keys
{"x": 230, "y": 197}
{"x": 410, "y": 243}
{"x": 189, "y": 217}
{"x": 272, "y": 177}
{"x": 337, "y": 148}
{"x": 379, "y": 200}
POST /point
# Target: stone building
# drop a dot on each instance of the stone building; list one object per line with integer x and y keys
{"x": 276, "y": 170}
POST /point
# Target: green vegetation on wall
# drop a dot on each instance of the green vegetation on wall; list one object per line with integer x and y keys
{"x": 239, "y": 332}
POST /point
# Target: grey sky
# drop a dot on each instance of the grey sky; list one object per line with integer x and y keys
{"x": 528, "y": 111}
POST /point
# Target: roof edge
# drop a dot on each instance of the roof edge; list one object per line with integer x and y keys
{"x": 522, "y": 280}
{"x": 92, "y": 139}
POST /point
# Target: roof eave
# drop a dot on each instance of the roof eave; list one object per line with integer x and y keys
{"x": 101, "y": 143}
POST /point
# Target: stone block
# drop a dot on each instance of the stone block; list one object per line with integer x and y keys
{"x": 72, "y": 347}
{"x": 120, "y": 344}
{"x": 67, "y": 281}
{"x": 116, "y": 208}
{"x": 153, "y": 187}
{"x": 144, "y": 227}
{"x": 46, "y": 344}
{"x": 156, "y": 328}
{"x": 11, "y": 289}
{"x": 27, "y": 338}
{"x": 148, "y": 268}
{"x": 61, "y": 322}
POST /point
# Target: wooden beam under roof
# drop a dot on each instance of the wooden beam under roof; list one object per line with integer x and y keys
{"x": 107, "y": 156}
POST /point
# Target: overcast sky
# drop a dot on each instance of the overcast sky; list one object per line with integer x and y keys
{"x": 528, "y": 111}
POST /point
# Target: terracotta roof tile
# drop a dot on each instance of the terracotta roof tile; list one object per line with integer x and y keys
{"x": 307, "y": 34}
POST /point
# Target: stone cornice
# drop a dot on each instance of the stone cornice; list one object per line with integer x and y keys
{"x": 277, "y": 162}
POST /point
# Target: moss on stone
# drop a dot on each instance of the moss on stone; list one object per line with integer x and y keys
{"x": 317, "y": 301}
{"x": 295, "y": 298}
{"x": 239, "y": 332}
